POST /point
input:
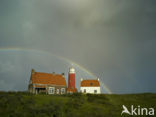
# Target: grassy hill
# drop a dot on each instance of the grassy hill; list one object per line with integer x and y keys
{"x": 20, "y": 104}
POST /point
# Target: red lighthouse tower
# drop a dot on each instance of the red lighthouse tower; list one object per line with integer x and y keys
{"x": 71, "y": 81}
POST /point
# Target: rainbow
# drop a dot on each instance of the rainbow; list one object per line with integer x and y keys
{"x": 59, "y": 57}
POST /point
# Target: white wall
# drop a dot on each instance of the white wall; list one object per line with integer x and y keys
{"x": 90, "y": 89}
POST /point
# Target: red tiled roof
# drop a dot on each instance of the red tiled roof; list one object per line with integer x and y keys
{"x": 90, "y": 83}
{"x": 47, "y": 78}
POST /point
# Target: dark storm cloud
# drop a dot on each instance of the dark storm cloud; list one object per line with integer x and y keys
{"x": 115, "y": 39}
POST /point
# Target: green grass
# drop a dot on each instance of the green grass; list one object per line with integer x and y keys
{"x": 20, "y": 104}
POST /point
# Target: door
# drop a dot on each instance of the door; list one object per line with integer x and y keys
{"x": 57, "y": 91}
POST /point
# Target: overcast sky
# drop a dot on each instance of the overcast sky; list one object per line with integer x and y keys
{"x": 113, "y": 39}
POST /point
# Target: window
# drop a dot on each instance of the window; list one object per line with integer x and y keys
{"x": 62, "y": 90}
{"x": 51, "y": 90}
{"x": 84, "y": 90}
{"x": 95, "y": 91}
{"x": 57, "y": 91}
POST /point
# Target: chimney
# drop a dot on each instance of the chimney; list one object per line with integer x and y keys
{"x": 81, "y": 79}
{"x": 63, "y": 74}
{"x": 32, "y": 71}
{"x": 98, "y": 79}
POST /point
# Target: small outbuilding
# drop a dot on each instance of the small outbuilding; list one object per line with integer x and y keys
{"x": 90, "y": 86}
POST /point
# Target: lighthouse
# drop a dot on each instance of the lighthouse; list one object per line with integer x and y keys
{"x": 71, "y": 81}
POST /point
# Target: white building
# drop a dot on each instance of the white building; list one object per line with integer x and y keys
{"x": 90, "y": 86}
